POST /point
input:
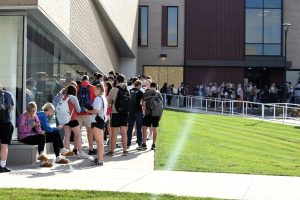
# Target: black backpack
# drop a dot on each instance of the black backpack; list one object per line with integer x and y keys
{"x": 3, "y": 109}
{"x": 123, "y": 101}
{"x": 133, "y": 103}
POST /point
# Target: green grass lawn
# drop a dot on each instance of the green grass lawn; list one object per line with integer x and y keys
{"x": 212, "y": 143}
{"x": 29, "y": 194}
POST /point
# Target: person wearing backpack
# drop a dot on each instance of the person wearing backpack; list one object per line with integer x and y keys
{"x": 6, "y": 107}
{"x": 98, "y": 119}
{"x": 153, "y": 108}
{"x": 70, "y": 120}
{"x": 119, "y": 99}
{"x": 86, "y": 96}
{"x": 135, "y": 113}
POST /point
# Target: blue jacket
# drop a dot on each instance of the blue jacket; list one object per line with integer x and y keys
{"x": 45, "y": 122}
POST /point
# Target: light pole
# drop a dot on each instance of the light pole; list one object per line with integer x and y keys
{"x": 286, "y": 27}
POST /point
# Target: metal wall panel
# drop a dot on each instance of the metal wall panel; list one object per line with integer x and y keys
{"x": 215, "y": 29}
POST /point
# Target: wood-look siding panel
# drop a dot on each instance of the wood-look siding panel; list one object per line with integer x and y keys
{"x": 215, "y": 29}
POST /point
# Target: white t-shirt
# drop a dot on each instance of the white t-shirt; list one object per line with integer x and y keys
{"x": 100, "y": 103}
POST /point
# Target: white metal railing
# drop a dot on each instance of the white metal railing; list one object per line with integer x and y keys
{"x": 284, "y": 112}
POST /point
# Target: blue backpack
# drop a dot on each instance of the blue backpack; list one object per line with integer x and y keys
{"x": 84, "y": 97}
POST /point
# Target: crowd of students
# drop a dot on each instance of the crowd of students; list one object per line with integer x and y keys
{"x": 104, "y": 106}
{"x": 248, "y": 92}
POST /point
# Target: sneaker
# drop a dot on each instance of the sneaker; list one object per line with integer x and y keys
{"x": 110, "y": 153}
{"x": 62, "y": 160}
{"x": 83, "y": 155}
{"x": 153, "y": 147}
{"x": 46, "y": 164}
{"x": 139, "y": 148}
{"x": 144, "y": 147}
{"x": 118, "y": 146}
{"x": 96, "y": 162}
{"x": 125, "y": 153}
{"x": 68, "y": 154}
{"x": 75, "y": 151}
{"x": 93, "y": 152}
{"x": 43, "y": 158}
{"x": 64, "y": 151}
{"x": 4, "y": 170}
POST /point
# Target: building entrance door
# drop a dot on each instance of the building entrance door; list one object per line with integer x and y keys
{"x": 258, "y": 76}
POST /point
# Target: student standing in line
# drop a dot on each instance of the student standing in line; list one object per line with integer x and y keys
{"x": 73, "y": 124}
{"x": 6, "y": 107}
{"x": 98, "y": 119}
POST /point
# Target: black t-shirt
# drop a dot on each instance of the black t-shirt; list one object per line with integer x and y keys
{"x": 6, "y": 104}
{"x": 136, "y": 97}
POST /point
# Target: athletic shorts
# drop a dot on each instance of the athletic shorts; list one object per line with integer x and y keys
{"x": 118, "y": 120}
{"x": 6, "y": 132}
{"x": 98, "y": 125}
{"x": 72, "y": 124}
{"x": 149, "y": 121}
{"x": 84, "y": 120}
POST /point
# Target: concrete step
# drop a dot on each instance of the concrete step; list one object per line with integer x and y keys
{"x": 22, "y": 154}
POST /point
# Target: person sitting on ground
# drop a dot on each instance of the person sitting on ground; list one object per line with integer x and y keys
{"x": 98, "y": 119}
{"x": 52, "y": 134}
{"x": 30, "y": 132}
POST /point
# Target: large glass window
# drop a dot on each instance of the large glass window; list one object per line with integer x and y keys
{"x": 263, "y": 27}
{"x": 272, "y": 3}
{"x": 50, "y": 66}
{"x": 162, "y": 74}
{"x": 172, "y": 26}
{"x": 272, "y": 26}
{"x": 254, "y": 26}
{"x": 143, "y": 26}
{"x": 11, "y": 58}
{"x": 254, "y": 3}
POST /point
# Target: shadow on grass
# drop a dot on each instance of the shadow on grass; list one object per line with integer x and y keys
{"x": 182, "y": 111}
{"x": 254, "y": 124}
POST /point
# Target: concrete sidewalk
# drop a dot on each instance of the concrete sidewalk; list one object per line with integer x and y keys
{"x": 135, "y": 173}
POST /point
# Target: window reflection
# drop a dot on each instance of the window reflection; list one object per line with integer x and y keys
{"x": 272, "y": 49}
{"x": 49, "y": 65}
{"x": 172, "y": 26}
{"x": 254, "y": 25}
{"x": 162, "y": 74}
{"x": 143, "y": 26}
{"x": 11, "y": 59}
{"x": 254, "y": 49}
{"x": 254, "y": 3}
{"x": 272, "y": 26}
{"x": 272, "y": 3}
{"x": 263, "y": 27}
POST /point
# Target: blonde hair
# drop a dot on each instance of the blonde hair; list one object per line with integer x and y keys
{"x": 100, "y": 87}
{"x": 48, "y": 106}
{"x": 30, "y": 106}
